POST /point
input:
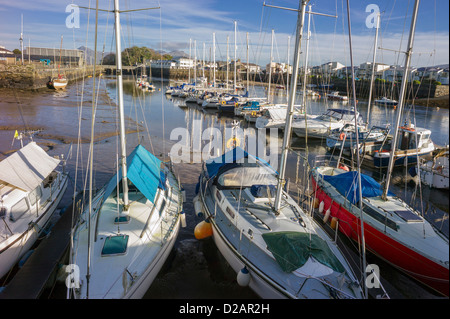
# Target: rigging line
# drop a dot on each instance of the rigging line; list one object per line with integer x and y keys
{"x": 79, "y": 152}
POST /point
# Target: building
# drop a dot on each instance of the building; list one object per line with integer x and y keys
{"x": 330, "y": 68}
{"x": 278, "y": 67}
{"x": 443, "y": 77}
{"x": 68, "y": 57}
{"x": 365, "y": 70}
{"x": 7, "y": 56}
{"x": 184, "y": 63}
{"x": 166, "y": 64}
{"x": 395, "y": 73}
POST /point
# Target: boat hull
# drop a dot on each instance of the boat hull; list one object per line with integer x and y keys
{"x": 12, "y": 250}
{"x": 402, "y": 257}
{"x": 382, "y": 160}
{"x": 141, "y": 287}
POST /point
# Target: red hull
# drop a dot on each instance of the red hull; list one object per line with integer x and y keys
{"x": 407, "y": 260}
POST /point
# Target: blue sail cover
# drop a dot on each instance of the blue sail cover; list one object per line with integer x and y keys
{"x": 347, "y": 185}
{"x": 144, "y": 171}
{"x": 232, "y": 156}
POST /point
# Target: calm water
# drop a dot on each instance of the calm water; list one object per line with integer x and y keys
{"x": 195, "y": 269}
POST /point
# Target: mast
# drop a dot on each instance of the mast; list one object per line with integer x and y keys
{"x": 190, "y": 44}
{"x": 248, "y": 72}
{"x": 287, "y": 74}
{"x": 214, "y": 59}
{"x": 235, "y": 57}
{"x": 227, "y": 60}
{"x": 290, "y": 108}
{"x": 195, "y": 62}
{"x": 60, "y": 54}
{"x": 21, "y": 36}
{"x": 270, "y": 66}
{"x": 91, "y": 158}
{"x": 373, "y": 66}
{"x": 123, "y": 155}
{"x": 408, "y": 54}
{"x": 203, "y": 64}
{"x": 358, "y": 168}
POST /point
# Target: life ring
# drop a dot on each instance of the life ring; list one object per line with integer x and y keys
{"x": 233, "y": 142}
{"x": 223, "y": 102}
{"x": 236, "y": 104}
{"x": 344, "y": 167}
{"x": 342, "y": 136}
{"x": 253, "y": 113}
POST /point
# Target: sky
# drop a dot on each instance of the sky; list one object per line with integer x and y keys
{"x": 177, "y": 22}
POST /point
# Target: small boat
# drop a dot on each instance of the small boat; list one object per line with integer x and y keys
{"x": 269, "y": 250}
{"x": 334, "y": 96}
{"x": 346, "y": 136}
{"x": 31, "y": 187}
{"x": 407, "y": 151}
{"x": 59, "y": 83}
{"x": 385, "y": 101}
{"x": 320, "y": 126}
{"x": 275, "y": 117}
{"x": 392, "y": 229}
{"x": 434, "y": 173}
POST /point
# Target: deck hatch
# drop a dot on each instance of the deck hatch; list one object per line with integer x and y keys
{"x": 115, "y": 245}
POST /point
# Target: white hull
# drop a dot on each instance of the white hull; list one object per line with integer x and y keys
{"x": 15, "y": 247}
{"x": 141, "y": 287}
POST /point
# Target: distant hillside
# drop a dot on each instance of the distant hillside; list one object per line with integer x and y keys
{"x": 89, "y": 54}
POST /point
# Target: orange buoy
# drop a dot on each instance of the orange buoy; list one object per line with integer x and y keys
{"x": 316, "y": 203}
{"x": 203, "y": 230}
{"x": 344, "y": 167}
{"x": 334, "y": 222}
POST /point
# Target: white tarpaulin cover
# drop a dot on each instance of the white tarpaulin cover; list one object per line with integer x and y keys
{"x": 27, "y": 167}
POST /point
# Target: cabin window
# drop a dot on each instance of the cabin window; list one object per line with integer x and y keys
{"x": 19, "y": 209}
{"x": 35, "y": 195}
{"x": 380, "y": 217}
{"x": 230, "y": 212}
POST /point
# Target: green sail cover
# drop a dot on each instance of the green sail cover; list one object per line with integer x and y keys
{"x": 292, "y": 249}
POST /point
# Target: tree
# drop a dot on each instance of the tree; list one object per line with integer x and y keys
{"x": 137, "y": 55}
{"x": 17, "y": 51}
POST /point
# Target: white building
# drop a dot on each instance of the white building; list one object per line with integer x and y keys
{"x": 166, "y": 64}
{"x": 184, "y": 63}
{"x": 278, "y": 67}
{"x": 365, "y": 70}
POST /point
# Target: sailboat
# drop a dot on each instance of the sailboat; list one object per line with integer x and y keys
{"x": 274, "y": 247}
{"x": 125, "y": 235}
{"x": 31, "y": 187}
{"x": 392, "y": 229}
{"x": 60, "y": 82}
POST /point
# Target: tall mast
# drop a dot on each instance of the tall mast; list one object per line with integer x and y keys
{"x": 214, "y": 59}
{"x": 195, "y": 61}
{"x": 248, "y": 72}
{"x": 290, "y": 108}
{"x": 91, "y": 157}
{"x": 190, "y": 44}
{"x": 60, "y": 54}
{"x": 227, "y": 60}
{"x": 21, "y": 36}
{"x": 358, "y": 168}
{"x": 270, "y": 66}
{"x": 123, "y": 155}
{"x": 287, "y": 74}
{"x": 408, "y": 54}
{"x": 203, "y": 64}
{"x": 373, "y": 66}
{"x": 235, "y": 57}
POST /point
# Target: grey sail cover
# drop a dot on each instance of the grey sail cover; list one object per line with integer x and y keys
{"x": 28, "y": 167}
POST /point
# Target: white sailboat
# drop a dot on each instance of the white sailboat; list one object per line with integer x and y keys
{"x": 31, "y": 187}
{"x": 125, "y": 235}
{"x": 260, "y": 230}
